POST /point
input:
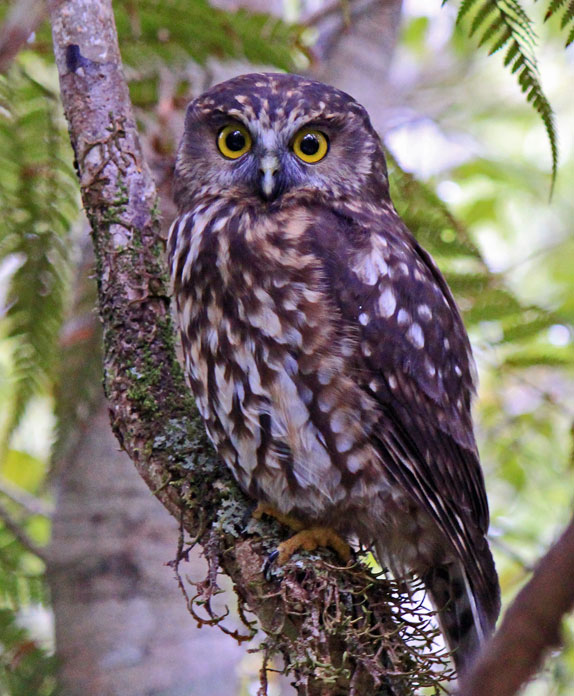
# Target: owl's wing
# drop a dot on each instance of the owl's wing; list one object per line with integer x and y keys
{"x": 414, "y": 357}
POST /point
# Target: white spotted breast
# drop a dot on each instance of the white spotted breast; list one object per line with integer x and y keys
{"x": 267, "y": 363}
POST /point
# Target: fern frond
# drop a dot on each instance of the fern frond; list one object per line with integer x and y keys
{"x": 40, "y": 203}
{"x": 513, "y": 27}
{"x": 482, "y": 295}
{"x": 554, "y": 6}
{"x": 465, "y": 7}
{"x": 511, "y": 54}
{"x": 480, "y": 17}
{"x": 493, "y": 29}
{"x": 503, "y": 39}
{"x": 153, "y": 33}
{"x": 152, "y": 29}
{"x": 18, "y": 588}
{"x": 568, "y": 15}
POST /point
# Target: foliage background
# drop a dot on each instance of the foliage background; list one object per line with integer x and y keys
{"x": 478, "y": 200}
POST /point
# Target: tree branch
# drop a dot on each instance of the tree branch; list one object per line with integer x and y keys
{"x": 530, "y": 628}
{"x": 339, "y": 631}
{"x": 27, "y": 501}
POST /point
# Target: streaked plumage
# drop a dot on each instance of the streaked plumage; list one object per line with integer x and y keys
{"x": 324, "y": 348}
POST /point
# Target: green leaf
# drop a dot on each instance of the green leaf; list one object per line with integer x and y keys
{"x": 513, "y": 24}
{"x": 25, "y": 667}
{"x": 40, "y": 203}
{"x": 151, "y": 30}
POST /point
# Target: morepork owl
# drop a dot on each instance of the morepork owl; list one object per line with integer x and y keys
{"x": 323, "y": 346}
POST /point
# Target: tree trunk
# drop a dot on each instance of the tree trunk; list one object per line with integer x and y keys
{"x": 121, "y": 624}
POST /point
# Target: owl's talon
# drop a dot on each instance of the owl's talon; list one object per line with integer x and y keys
{"x": 266, "y": 509}
{"x": 269, "y": 562}
{"x": 312, "y": 538}
{"x": 307, "y": 539}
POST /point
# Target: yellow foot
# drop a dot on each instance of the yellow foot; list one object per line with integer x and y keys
{"x": 308, "y": 539}
{"x": 266, "y": 509}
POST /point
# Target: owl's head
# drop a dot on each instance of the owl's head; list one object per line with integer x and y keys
{"x": 269, "y": 136}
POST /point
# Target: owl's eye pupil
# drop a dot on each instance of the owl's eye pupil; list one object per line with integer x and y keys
{"x": 309, "y": 144}
{"x": 235, "y": 141}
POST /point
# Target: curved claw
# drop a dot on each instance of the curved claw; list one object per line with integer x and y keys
{"x": 269, "y": 562}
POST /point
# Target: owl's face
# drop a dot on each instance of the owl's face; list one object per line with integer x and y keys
{"x": 267, "y": 136}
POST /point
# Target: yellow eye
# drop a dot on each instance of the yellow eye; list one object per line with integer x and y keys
{"x": 310, "y": 145}
{"x": 233, "y": 141}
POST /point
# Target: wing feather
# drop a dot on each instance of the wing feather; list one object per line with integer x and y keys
{"x": 414, "y": 357}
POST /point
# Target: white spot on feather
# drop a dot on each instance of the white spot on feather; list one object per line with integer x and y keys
{"x": 199, "y": 222}
{"x": 363, "y": 318}
{"x": 424, "y": 312}
{"x": 326, "y": 401}
{"x": 430, "y": 368}
{"x": 387, "y": 302}
{"x": 224, "y": 389}
{"x": 354, "y": 463}
{"x": 416, "y": 336}
{"x": 306, "y": 394}
{"x": 371, "y": 267}
{"x": 267, "y": 321}
{"x": 403, "y": 317}
{"x": 186, "y": 313}
{"x": 289, "y": 305}
{"x": 347, "y": 349}
{"x": 339, "y": 421}
{"x": 344, "y": 443}
{"x": 311, "y": 295}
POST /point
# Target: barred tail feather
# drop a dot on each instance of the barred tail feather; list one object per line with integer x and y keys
{"x": 466, "y": 615}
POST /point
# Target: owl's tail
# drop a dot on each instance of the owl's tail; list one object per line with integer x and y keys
{"x": 467, "y": 611}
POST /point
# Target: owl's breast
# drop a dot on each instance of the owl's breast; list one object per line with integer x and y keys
{"x": 268, "y": 363}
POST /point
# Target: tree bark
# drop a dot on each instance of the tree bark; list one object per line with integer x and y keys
{"x": 120, "y": 630}
{"x": 335, "y": 628}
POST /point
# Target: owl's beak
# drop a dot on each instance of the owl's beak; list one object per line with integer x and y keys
{"x": 268, "y": 183}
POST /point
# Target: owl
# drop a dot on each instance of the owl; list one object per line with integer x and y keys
{"x": 324, "y": 348}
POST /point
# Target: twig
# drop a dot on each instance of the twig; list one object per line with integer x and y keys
{"x": 31, "y": 504}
